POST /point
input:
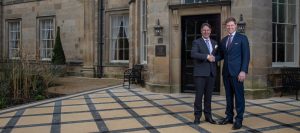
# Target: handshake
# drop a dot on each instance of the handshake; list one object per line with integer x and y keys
{"x": 211, "y": 58}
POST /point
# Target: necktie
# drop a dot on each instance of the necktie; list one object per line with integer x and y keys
{"x": 207, "y": 44}
{"x": 229, "y": 40}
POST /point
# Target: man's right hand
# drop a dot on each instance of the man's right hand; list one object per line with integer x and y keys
{"x": 211, "y": 58}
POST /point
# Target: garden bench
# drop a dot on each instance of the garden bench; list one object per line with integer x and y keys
{"x": 290, "y": 80}
{"x": 133, "y": 75}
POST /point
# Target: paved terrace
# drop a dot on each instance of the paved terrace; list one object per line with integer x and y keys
{"x": 116, "y": 109}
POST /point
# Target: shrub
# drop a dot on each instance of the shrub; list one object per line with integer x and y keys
{"x": 58, "y": 57}
{"x": 23, "y": 81}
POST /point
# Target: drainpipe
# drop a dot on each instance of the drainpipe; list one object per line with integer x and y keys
{"x": 100, "y": 38}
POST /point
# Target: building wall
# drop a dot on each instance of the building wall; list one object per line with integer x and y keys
{"x": 258, "y": 18}
{"x": 163, "y": 73}
{"x": 78, "y": 20}
{"x": 1, "y": 35}
{"x": 113, "y": 7}
{"x": 172, "y": 40}
{"x": 158, "y": 66}
{"x": 68, "y": 14}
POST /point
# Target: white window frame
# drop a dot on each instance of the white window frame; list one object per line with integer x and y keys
{"x": 143, "y": 34}
{"x": 112, "y": 50}
{"x": 296, "y": 40}
{"x": 43, "y": 50}
{"x": 18, "y": 39}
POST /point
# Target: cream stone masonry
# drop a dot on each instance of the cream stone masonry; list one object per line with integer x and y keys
{"x": 115, "y": 7}
{"x": 175, "y": 32}
{"x": 68, "y": 14}
{"x": 1, "y": 29}
{"x": 258, "y": 20}
{"x": 79, "y": 21}
{"x": 158, "y": 67}
{"x": 89, "y": 38}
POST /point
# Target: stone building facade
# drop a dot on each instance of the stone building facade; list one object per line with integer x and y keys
{"x": 102, "y": 38}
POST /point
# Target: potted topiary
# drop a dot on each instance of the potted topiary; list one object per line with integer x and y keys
{"x": 58, "y": 57}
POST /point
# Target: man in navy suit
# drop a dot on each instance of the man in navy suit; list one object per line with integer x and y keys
{"x": 235, "y": 51}
{"x": 204, "y": 73}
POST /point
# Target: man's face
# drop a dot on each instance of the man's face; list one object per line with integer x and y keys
{"x": 231, "y": 27}
{"x": 205, "y": 31}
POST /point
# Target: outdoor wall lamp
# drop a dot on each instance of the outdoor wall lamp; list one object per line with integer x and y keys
{"x": 158, "y": 29}
{"x": 241, "y": 25}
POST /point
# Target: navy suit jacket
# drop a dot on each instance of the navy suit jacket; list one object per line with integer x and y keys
{"x": 199, "y": 53}
{"x": 236, "y": 57}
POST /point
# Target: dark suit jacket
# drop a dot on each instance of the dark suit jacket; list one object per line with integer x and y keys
{"x": 236, "y": 57}
{"x": 199, "y": 53}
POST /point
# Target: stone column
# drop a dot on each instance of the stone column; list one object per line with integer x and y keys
{"x": 158, "y": 66}
{"x": 258, "y": 18}
{"x": 132, "y": 29}
{"x": 89, "y": 41}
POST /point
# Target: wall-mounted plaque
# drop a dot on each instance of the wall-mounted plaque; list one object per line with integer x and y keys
{"x": 160, "y": 40}
{"x": 160, "y": 50}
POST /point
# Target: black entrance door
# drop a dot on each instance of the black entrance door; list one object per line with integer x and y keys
{"x": 191, "y": 31}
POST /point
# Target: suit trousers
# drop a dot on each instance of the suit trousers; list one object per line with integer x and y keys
{"x": 234, "y": 91}
{"x": 204, "y": 86}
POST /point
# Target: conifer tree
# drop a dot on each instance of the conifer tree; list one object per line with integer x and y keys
{"x": 58, "y": 57}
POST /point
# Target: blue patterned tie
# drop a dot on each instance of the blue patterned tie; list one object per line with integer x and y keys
{"x": 207, "y": 44}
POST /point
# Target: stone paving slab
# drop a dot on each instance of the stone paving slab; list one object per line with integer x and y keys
{"x": 116, "y": 109}
{"x": 72, "y": 85}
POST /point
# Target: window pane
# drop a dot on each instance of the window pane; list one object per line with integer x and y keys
{"x": 274, "y": 12}
{"x": 121, "y": 55}
{"x": 189, "y": 1}
{"x": 189, "y": 29}
{"x": 273, "y": 52}
{"x": 273, "y": 32}
{"x": 290, "y": 33}
{"x": 280, "y": 33}
{"x": 16, "y": 44}
{"x": 292, "y": 1}
{"x": 292, "y": 14}
{"x": 289, "y": 52}
{"x": 282, "y": 1}
{"x": 44, "y": 44}
{"x": 190, "y": 40}
{"x": 282, "y": 13}
{"x": 119, "y": 36}
{"x": 126, "y": 54}
{"x": 120, "y": 43}
{"x": 49, "y": 53}
{"x": 13, "y": 45}
{"x": 49, "y": 44}
{"x": 143, "y": 44}
{"x": 126, "y": 43}
{"x": 280, "y": 52}
{"x": 11, "y": 35}
{"x": 14, "y": 38}
{"x": 46, "y": 38}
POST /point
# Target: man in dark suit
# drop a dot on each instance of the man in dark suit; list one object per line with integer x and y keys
{"x": 204, "y": 73}
{"x": 236, "y": 54}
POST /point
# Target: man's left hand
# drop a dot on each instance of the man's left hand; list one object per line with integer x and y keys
{"x": 242, "y": 76}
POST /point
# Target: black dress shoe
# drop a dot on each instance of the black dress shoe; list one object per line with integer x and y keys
{"x": 197, "y": 120}
{"x": 225, "y": 121}
{"x": 237, "y": 125}
{"x": 210, "y": 120}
